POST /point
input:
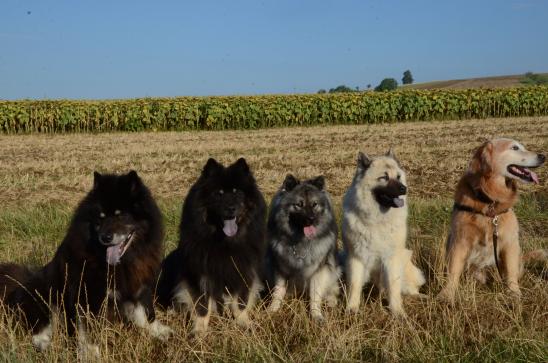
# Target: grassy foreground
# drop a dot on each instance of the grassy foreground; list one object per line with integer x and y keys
{"x": 42, "y": 178}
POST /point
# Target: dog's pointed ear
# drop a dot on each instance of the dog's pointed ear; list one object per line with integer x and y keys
{"x": 96, "y": 179}
{"x": 482, "y": 161}
{"x": 241, "y": 165}
{"x": 364, "y": 161}
{"x": 132, "y": 175}
{"x": 290, "y": 182}
{"x": 134, "y": 181}
{"x": 391, "y": 154}
{"x": 211, "y": 167}
{"x": 318, "y": 182}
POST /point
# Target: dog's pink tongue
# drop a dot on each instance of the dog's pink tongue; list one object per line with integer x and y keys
{"x": 114, "y": 254}
{"x": 398, "y": 202}
{"x": 230, "y": 227}
{"x": 309, "y": 231}
{"x": 534, "y": 177}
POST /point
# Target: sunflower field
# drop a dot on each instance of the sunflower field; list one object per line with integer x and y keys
{"x": 253, "y": 112}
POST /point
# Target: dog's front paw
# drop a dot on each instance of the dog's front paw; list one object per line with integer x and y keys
{"x": 88, "y": 352}
{"x": 42, "y": 340}
{"x": 274, "y": 307}
{"x": 160, "y": 331}
{"x": 317, "y": 316}
{"x": 480, "y": 276}
{"x": 199, "y": 327}
{"x": 446, "y": 297}
{"x": 352, "y": 310}
{"x": 243, "y": 321}
{"x": 399, "y": 314}
{"x": 515, "y": 294}
{"x": 397, "y": 311}
{"x": 318, "y": 319}
{"x": 352, "y": 307}
{"x": 331, "y": 301}
{"x": 197, "y": 333}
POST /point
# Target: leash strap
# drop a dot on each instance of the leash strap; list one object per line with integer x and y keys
{"x": 465, "y": 208}
{"x": 495, "y": 222}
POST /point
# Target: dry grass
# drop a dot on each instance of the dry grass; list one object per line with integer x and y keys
{"x": 44, "y": 168}
{"x": 42, "y": 178}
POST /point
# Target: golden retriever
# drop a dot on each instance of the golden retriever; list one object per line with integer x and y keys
{"x": 484, "y": 227}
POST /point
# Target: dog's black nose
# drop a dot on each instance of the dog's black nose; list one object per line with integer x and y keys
{"x": 541, "y": 158}
{"x": 403, "y": 189}
{"x": 106, "y": 238}
{"x": 231, "y": 210}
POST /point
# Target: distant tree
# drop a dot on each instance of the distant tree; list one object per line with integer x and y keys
{"x": 357, "y": 89}
{"x": 407, "y": 77}
{"x": 322, "y": 91}
{"x": 533, "y": 79}
{"x": 369, "y": 86}
{"x": 387, "y": 84}
{"x": 341, "y": 88}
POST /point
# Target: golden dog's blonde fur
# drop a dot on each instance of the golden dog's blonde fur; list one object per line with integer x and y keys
{"x": 485, "y": 196}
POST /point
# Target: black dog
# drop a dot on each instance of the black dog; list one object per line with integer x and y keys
{"x": 222, "y": 245}
{"x": 112, "y": 250}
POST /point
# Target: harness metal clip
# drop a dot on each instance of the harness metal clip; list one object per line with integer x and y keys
{"x": 495, "y": 222}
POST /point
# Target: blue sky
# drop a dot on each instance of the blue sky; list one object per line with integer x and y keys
{"x": 122, "y": 49}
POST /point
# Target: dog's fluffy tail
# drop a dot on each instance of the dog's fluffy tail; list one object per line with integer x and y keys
{"x": 12, "y": 276}
{"x": 169, "y": 279}
{"x": 413, "y": 276}
{"x": 536, "y": 255}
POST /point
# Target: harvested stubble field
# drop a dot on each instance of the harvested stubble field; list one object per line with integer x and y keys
{"x": 43, "y": 176}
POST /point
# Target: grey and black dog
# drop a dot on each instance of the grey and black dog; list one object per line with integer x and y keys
{"x": 302, "y": 244}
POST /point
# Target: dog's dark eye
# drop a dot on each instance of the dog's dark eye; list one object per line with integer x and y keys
{"x": 515, "y": 147}
{"x": 299, "y": 205}
{"x": 384, "y": 177}
{"x": 314, "y": 204}
{"x": 399, "y": 176}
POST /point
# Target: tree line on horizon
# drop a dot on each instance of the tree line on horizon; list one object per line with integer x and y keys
{"x": 387, "y": 84}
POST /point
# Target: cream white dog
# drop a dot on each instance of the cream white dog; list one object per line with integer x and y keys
{"x": 374, "y": 231}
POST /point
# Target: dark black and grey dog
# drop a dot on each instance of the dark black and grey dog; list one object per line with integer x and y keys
{"x": 222, "y": 245}
{"x": 302, "y": 238}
